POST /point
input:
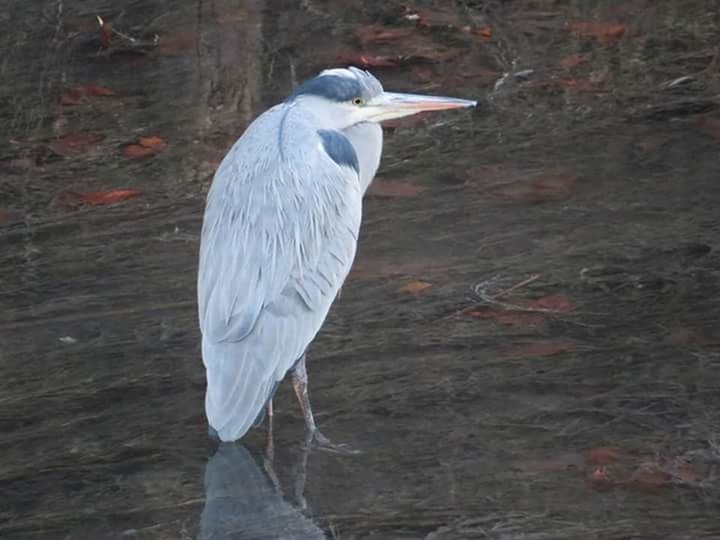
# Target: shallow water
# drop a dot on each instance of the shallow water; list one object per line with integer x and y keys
{"x": 558, "y": 378}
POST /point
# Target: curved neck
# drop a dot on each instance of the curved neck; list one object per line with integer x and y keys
{"x": 367, "y": 139}
{"x": 315, "y": 110}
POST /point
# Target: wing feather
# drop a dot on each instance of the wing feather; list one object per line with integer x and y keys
{"x": 277, "y": 243}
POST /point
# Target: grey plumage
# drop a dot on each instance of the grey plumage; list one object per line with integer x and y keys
{"x": 339, "y": 148}
{"x": 280, "y": 233}
{"x": 292, "y": 235}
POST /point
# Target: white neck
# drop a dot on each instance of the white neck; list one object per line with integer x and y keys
{"x": 367, "y": 139}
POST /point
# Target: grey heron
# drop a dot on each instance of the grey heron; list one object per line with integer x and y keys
{"x": 279, "y": 236}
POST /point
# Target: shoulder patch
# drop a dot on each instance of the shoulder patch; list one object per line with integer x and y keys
{"x": 339, "y": 148}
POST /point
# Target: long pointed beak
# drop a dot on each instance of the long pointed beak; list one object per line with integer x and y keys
{"x": 414, "y": 103}
{"x": 389, "y": 105}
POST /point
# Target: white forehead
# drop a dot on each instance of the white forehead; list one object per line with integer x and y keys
{"x": 348, "y": 72}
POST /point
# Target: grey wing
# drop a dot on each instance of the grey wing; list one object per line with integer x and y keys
{"x": 276, "y": 246}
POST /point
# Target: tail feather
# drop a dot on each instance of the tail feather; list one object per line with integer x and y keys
{"x": 236, "y": 393}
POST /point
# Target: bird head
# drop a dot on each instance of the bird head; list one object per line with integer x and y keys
{"x": 349, "y": 96}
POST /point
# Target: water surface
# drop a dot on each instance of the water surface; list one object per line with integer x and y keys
{"x": 581, "y": 404}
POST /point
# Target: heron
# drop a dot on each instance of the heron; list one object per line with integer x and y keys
{"x": 279, "y": 236}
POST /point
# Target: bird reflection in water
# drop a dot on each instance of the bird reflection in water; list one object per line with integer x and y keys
{"x": 244, "y": 499}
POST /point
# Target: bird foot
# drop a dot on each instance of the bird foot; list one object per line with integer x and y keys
{"x": 316, "y": 439}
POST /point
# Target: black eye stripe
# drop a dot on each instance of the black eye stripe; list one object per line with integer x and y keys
{"x": 339, "y": 88}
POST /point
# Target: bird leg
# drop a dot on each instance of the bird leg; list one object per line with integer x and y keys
{"x": 269, "y": 456}
{"x": 299, "y": 379}
{"x": 270, "y": 448}
{"x": 300, "y": 474}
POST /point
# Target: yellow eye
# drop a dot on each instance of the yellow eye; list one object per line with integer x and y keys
{"x": 358, "y": 101}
